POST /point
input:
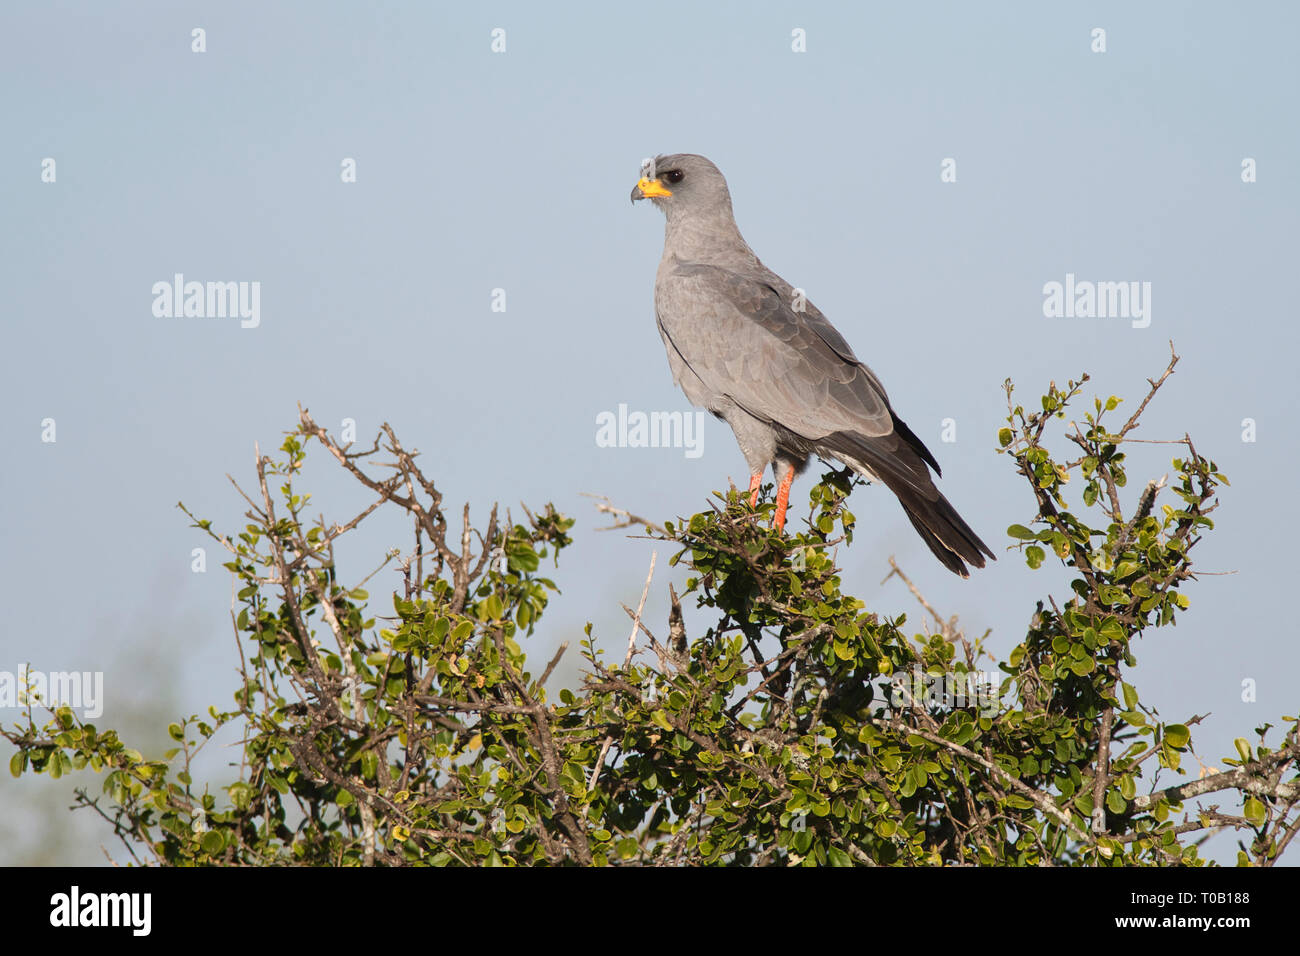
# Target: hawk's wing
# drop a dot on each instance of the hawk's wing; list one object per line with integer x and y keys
{"x": 742, "y": 338}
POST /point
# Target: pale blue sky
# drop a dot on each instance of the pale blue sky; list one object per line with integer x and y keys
{"x": 479, "y": 171}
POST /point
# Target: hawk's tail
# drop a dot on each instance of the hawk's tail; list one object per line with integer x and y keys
{"x": 893, "y": 460}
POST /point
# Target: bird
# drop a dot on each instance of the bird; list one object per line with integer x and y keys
{"x": 748, "y": 347}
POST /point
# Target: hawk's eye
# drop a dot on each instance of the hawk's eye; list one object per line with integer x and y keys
{"x": 674, "y": 176}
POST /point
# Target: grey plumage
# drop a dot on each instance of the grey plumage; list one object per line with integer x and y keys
{"x": 741, "y": 345}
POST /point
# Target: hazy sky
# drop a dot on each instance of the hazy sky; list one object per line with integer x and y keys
{"x": 479, "y": 171}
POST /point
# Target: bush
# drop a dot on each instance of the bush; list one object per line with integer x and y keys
{"x": 800, "y": 728}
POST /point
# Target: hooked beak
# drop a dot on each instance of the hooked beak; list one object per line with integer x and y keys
{"x": 649, "y": 189}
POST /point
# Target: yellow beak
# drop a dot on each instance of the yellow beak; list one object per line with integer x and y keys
{"x": 650, "y": 189}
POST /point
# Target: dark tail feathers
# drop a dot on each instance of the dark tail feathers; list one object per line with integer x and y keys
{"x": 893, "y": 460}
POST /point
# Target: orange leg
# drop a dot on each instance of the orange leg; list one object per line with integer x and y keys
{"x": 783, "y": 499}
{"x": 754, "y": 482}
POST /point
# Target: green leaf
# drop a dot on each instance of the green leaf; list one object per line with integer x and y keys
{"x": 1127, "y": 787}
{"x": 240, "y": 794}
{"x": 1083, "y": 666}
{"x": 1254, "y": 811}
{"x": 1020, "y": 532}
{"x": 1034, "y": 556}
{"x": 1241, "y": 743}
{"x": 1112, "y": 631}
{"x": 212, "y": 842}
{"x": 521, "y": 557}
{"x": 1004, "y": 437}
{"x": 1177, "y": 735}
